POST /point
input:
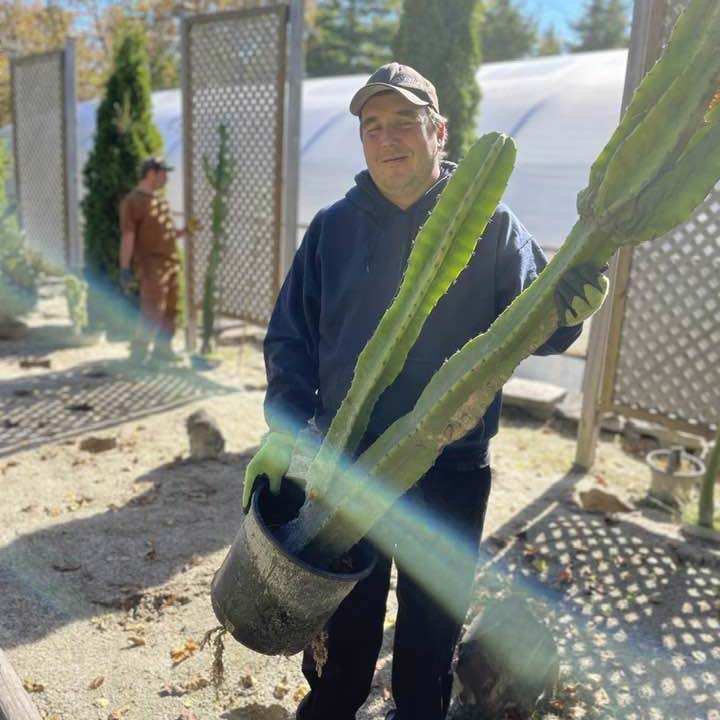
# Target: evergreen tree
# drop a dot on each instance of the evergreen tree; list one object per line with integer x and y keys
{"x": 124, "y": 135}
{"x": 507, "y": 33}
{"x": 602, "y": 26}
{"x": 550, "y": 43}
{"x": 440, "y": 39}
{"x": 351, "y": 36}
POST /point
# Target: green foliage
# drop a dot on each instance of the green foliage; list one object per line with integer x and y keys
{"x": 602, "y": 26}
{"x": 440, "y": 39}
{"x": 350, "y": 36}
{"x": 507, "y": 33}
{"x": 76, "y": 296}
{"x": 549, "y": 43}
{"x": 124, "y": 135}
{"x": 220, "y": 178}
{"x": 19, "y": 266}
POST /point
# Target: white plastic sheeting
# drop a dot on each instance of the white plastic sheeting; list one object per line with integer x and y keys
{"x": 561, "y": 110}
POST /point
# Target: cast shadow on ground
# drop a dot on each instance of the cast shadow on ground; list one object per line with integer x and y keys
{"x": 636, "y": 617}
{"x": 42, "y": 408}
{"x": 174, "y": 515}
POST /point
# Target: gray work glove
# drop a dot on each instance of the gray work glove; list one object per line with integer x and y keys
{"x": 580, "y": 292}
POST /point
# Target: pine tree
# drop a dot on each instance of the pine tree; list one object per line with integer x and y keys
{"x": 440, "y": 39}
{"x": 124, "y": 135}
{"x": 351, "y": 36}
{"x": 602, "y": 26}
{"x": 506, "y": 32}
{"x": 550, "y": 43}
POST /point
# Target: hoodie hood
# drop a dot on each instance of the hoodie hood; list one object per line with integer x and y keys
{"x": 366, "y": 196}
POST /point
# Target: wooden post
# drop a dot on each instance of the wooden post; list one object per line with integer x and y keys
{"x": 15, "y": 704}
{"x": 606, "y": 327}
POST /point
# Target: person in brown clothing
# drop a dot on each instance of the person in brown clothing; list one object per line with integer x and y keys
{"x": 148, "y": 250}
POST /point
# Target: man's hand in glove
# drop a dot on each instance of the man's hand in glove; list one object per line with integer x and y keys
{"x": 126, "y": 278}
{"x": 271, "y": 460}
{"x": 580, "y": 292}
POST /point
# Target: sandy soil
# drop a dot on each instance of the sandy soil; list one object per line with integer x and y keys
{"x": 106, "y": 558}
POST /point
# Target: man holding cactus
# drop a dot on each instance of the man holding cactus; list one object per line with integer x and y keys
{"x": 344, "y": 276}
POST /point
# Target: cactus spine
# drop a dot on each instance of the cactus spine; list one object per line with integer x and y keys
{"x": 660, "y": 164}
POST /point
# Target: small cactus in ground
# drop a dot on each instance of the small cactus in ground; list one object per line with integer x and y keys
{"x": 706, "y": 508}
{"x": 220, "y": 178}
{"x": 659, "y": 165}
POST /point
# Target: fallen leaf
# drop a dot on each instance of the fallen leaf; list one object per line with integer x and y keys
{"x": 181, "y": 654}
{"x": 66, "y": 566}
{"x": 33, "y": 687}
{"x": 136, "y": 640}
{"x": 80, "y": 407}
{"x": 280, "y": 691}
{"x": 53, "y": 511}
{"x": 102, "y": 702}
{"x": 27, "y": 363}
{"x": 299, "y": 694}
{"x": 95, "y": 683}
{"x": 117, "y": 714}
{"x": 247, "y": 681}
{"x": 138, "y": 628}
{"x": 187, "y": 715}
{"x": 565, "y": 576}
{"x": 151, "y": 554}
{"x": 540, "y": 564}
{"x": 197, "y": 682}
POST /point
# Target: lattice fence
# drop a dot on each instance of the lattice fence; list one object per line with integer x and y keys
{"x": 40, "y": 132}
{"x": 234, "y": 74}
{"x": 667, "y": 345}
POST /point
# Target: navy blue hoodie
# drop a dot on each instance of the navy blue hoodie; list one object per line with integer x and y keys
{"x": 343, "y": 277}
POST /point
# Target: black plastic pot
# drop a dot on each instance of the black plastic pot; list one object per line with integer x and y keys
{"x": 270, "y": 601}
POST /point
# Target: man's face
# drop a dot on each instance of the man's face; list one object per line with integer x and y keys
{"x": 161, "y": 178}
{"x": 401, "y": 147}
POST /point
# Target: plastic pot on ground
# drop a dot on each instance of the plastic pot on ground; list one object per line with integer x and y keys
{"x": 674, "y": 474}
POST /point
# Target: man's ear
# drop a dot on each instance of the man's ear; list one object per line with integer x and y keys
{"x": 441, "y": 134}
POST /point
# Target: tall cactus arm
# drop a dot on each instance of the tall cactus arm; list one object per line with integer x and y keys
{"x": 441, "y": 250}
{"x": 696, "y": 24}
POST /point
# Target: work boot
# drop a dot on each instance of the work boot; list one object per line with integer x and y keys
{"x": 164, "y": 353}
{"x": 138, "y": 353}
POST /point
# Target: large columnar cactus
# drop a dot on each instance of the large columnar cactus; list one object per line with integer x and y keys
{"x": 659, "y": 165}
{"x": 219, "y": 178}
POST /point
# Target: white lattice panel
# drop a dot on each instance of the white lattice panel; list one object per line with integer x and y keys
{"x": 669, "y": 357}
{"x": 235, "y": 65}
{"x": 38, "y": 90}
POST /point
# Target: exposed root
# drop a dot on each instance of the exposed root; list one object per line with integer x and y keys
{"x": 320, "y": 651}
{"x": 218, "y": 667}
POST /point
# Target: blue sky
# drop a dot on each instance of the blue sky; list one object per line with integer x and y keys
{"x": 554, "y": 12}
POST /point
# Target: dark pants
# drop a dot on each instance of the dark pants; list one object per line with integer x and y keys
{"x": 434, "y": 533}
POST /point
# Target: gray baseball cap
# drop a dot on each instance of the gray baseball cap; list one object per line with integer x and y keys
{"x": 402, "y": 79}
